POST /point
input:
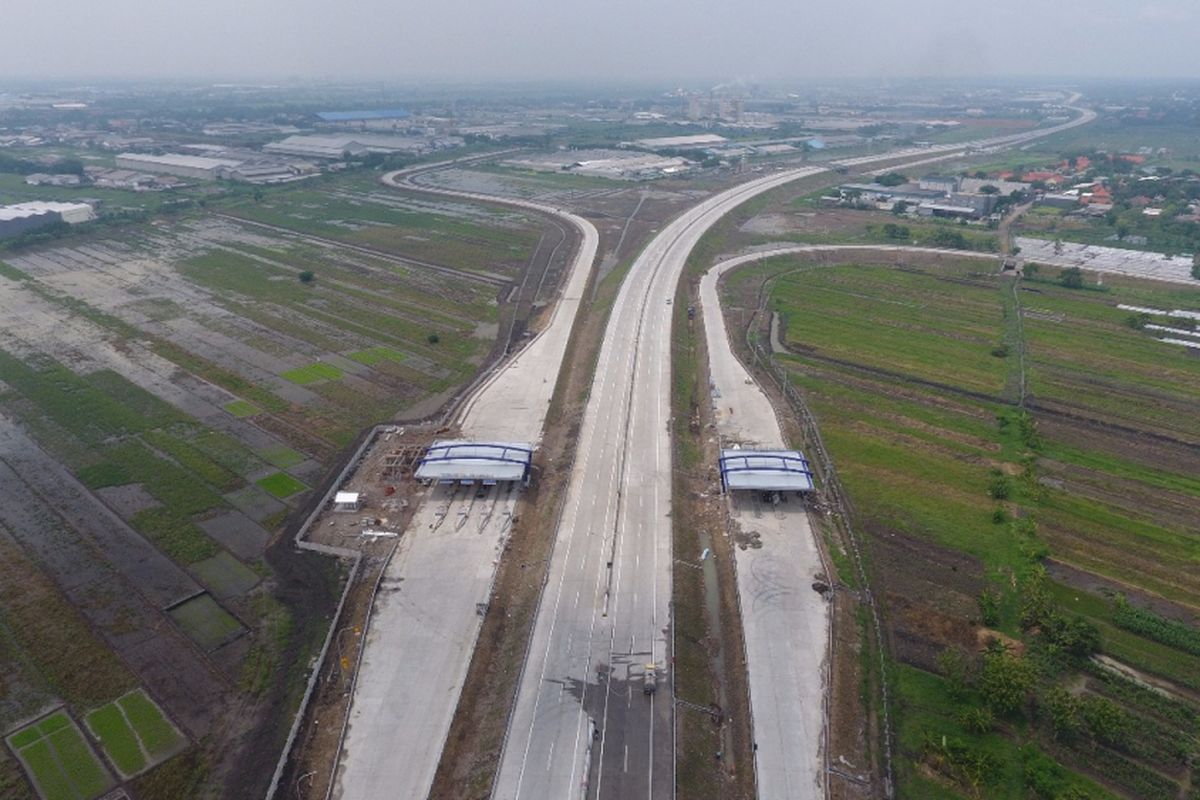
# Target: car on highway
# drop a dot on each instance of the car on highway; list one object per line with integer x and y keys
{"x": 650, "y": 679}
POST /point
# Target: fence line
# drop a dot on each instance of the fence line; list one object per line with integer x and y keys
{"x": 836, "y": 496}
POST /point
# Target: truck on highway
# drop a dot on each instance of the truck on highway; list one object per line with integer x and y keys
{"x": 650, "y": 679}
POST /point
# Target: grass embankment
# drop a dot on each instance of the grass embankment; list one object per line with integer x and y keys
{"x": 964, "y": 494}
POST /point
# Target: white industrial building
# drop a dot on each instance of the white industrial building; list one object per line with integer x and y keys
{"x": 200, "y": 167}
{"x": 334, "y": 147}
{"x": 17, "y": 219}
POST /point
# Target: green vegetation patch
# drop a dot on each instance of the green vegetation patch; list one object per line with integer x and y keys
{"x": 225, "y": 576}
{"x": 376, "y": 355}
{"x": 282, "y": 457}
{"x": 242, "y": 408}
{"x": 134, "y": 732}
{"x": 209, "y": 625}
{"x": 158, "y": 736}
{"x": 313, "y": 373}
{"x": 281, "y": 485}
{"x": 175, "y": 535}
{"x": 59, "y": 760}
{"x": 120, "y": 744}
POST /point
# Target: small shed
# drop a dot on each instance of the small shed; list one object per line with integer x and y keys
{"x": 347, "y": 502}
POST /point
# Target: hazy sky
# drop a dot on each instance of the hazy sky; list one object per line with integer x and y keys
{"x": 652, "y": 40}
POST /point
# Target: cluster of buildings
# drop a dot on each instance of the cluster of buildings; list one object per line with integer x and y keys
{"x": 616, "y": 164}
{"x": 945, "y": 196}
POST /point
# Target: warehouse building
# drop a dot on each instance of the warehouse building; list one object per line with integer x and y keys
{"x": 332, "y": 147}
{"x": 488, "y": 463}
{"x": 24, "y": 217}
{"x": 765, "y": 471}
{"x": 201, "y": 167}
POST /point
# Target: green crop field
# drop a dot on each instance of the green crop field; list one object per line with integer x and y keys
{"x": 312, "y": 373}
{"x": 968, "y": 497}
{"x": 134, "y": 733}
{"x": 209, "y": 625}
{"x": 377, "y": 355}
{"x": 281, "y": 485}
{"x": 281, "y": 457}
{"x": 59, "y": 761}
{"x": 242, "y": 408}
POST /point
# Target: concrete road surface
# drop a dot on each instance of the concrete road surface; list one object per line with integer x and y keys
{"x": 582, "y": 725}
{"x": 427, "y": 616}
{"x": 579, "y": 728}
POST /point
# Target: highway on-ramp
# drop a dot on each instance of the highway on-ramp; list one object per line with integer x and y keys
{"x": 425, "y": 621}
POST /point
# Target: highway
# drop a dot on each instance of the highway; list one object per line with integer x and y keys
{"x": 581, "y": 724}
{"x": 426, "y": 618}
{"x": 579, "y": 727}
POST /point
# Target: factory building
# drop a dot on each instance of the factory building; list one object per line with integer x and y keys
{"x": 24, "y": 217}
{"x": 200, "y": 167}
{"x": 332, "y": 147}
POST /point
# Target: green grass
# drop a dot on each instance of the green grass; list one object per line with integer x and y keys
{"x": 225, "y": 576}
{"x": 209, "y": 625}
{"x": 117, "y": 739}
{"x": 917, "y": 413}
{"x": 176, "y": 536}
{"x": 281, "y": 457}
{"x": 242, "y": 408}
{"x": 376, "y": 355}
{"x": 313, "y": 373}
{"x": 60, "y": 761}
{"x": 281, "y": 485}
{"x": 156, "y": 733}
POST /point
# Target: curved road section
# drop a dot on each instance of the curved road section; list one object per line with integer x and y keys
{"x": 583, "y": 725}
{"x": 426, "y": 619}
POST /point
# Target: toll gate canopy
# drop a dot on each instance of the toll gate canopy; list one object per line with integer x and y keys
{"x": 470, "y": 462}
{"x": 765, "y": 471}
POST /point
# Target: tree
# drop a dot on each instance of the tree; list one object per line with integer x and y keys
{"x": 1035, "y": 598}
{"x": 307, "y": 276}
{"x": 1105, "y": 720}
{"x": 1196, "y": 265}
{"x": 433, "y": 338}
{"x": 1138, "y": 321}
{"x": 1058, "y": 247}
{"x": 892, "y": 179}
{"x": 989, "y": 607}
{"x": 1005, "y": 679}
{"x": 1064, "y": 710}
{"x": 1071, "y": 278}
{"x": 988, "y": 189}
{"x": 1030, "y": 270}
{"x": 977, "y": 719}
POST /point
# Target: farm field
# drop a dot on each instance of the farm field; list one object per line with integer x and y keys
{"x": 133, "y": 733}
{"x": 59, "y": 760}
{"x": 168, "y": 397}
{"x": 1063, "y": 527}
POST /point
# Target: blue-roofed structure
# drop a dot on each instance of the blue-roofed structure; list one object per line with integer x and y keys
{"x": 362, "y": 116}
{"x": 765, "y": 471}
{"x": 456, "y": 461}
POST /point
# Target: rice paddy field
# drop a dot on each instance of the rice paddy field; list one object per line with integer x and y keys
{"x": 1023, "y": 462}
{"x": 169, "y": 395}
